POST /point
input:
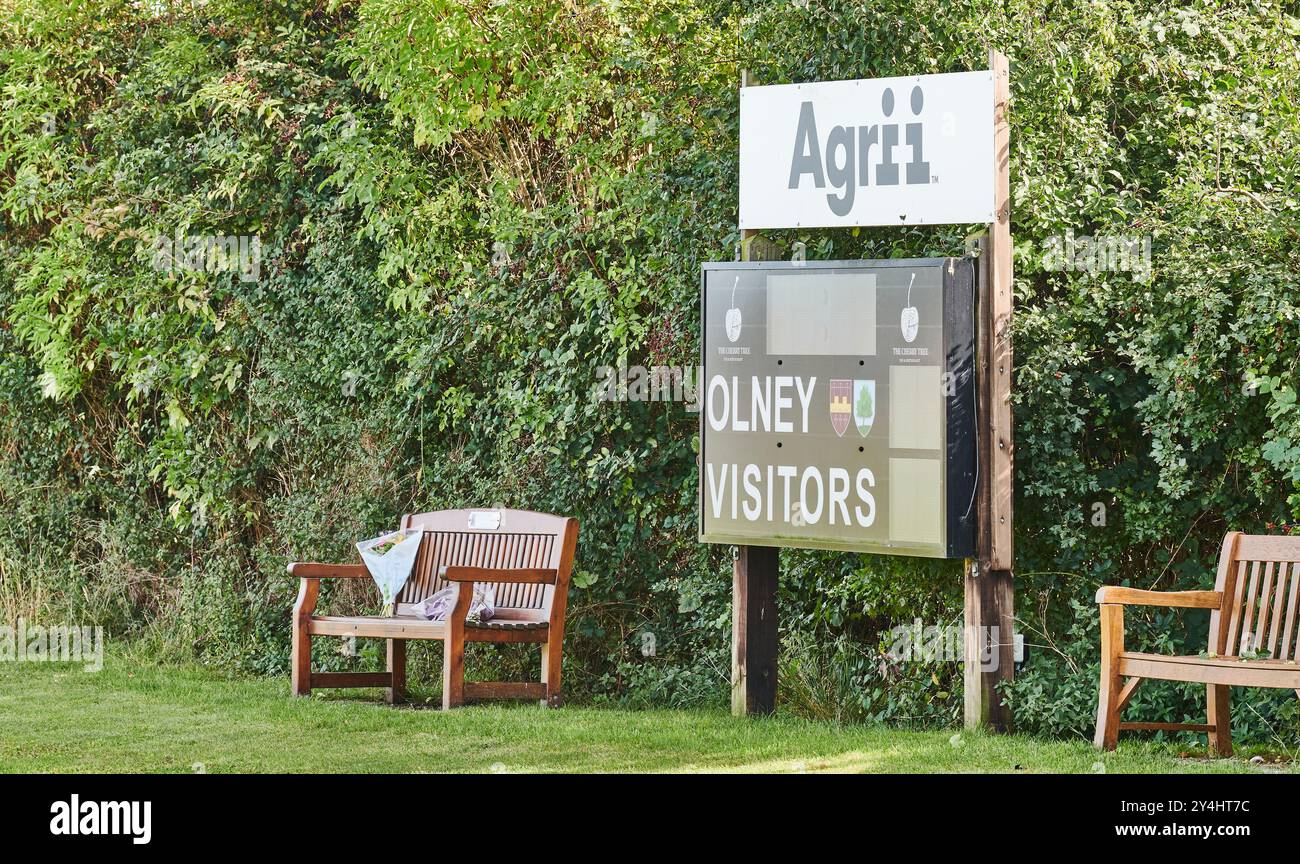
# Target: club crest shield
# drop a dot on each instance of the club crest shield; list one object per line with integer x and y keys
{"x": 864, "y": 406}
{"x": 841, "y": 405}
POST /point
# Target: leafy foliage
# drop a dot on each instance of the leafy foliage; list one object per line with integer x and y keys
{"x": 466, "y": 208}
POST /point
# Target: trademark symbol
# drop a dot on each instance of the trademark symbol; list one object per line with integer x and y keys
{"x": 934, "y": 178}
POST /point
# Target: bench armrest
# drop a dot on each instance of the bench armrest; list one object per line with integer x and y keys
{"x": 313, "y": 570}
{"x": 520, "y": 575}
{"x": 1111, "y": 594}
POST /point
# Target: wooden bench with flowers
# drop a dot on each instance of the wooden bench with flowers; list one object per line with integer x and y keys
{"x": 525, "y": 558}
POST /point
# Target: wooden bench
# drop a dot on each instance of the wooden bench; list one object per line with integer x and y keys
{"x": 1253, "y": 612}
{"x": 527, "y": 557}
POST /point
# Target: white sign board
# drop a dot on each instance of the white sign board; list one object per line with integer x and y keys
{"x": 884, "y": 151}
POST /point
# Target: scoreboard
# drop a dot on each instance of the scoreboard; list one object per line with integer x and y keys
{"x": 838, "y": 405}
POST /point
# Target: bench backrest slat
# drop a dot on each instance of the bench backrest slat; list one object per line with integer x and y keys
{"x": 1276, "y": 599}
{"x": 498, "y": 539}
{"x": 1249, "y": 615}
{"x": 1260, "y": 576}
{"x": 1289, "y": 632}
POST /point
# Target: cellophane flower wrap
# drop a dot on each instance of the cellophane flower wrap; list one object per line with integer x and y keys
{"x": 390, "y": 559}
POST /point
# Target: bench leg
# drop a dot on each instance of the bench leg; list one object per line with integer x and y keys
{"x": 1219, "y": 715}
{"x": 300, "y": 657}
{"x": 551, "y": 673}
{"x": 453, "y": 670}
{"x": 301, "y": 673}
{"x": 1108, "y": 707}
{"x": 397, "y": 668}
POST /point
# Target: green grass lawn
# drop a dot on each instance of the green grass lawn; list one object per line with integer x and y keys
{"x": 137, "y": 718}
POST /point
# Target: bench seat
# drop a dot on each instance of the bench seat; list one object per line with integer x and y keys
{"x": 411, "y": 627}
{"x": 1282, "y": 674}
{"x": 397, "y": 627}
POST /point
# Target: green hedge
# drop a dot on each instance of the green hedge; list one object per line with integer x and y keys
{"x": 466, "y": 208}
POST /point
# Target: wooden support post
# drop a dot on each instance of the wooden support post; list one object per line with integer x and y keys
{"x": 754, "y": 638}
{"x": 989, "y": 592}
{"x": 754, "y": 630}
{"x": 989, "y": 646}
{"x": 1000, "y": 304}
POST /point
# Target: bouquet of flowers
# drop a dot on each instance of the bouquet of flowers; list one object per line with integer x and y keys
{"x": 390, "y": 559}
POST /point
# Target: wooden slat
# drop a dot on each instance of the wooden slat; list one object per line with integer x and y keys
{"x": 434, "y": 547}
{"x": 1248, "y": 616}
{"x": 442, "y": 547}
{"x": 351, "y": 679}
{"x": 316, "y": 570}
{"x": 443, "y": 551}
{"x": 507, "y": 624}
{"x": 503, "y": 614}
{"x": 1264, "y": 547}
{"x": 498, "y": 576}
{"x": 523, "y": 555}
{"x": 511, "y": 521}
{"x": 507, "y": 636}
{"x": 1200, "y": 660}
{"x": 505, "y": 558}
{"x": 1256, "y": 674}
{"x": 523, "y": 591}
{"x": 1287, "y": 652}
{"x": 511, "y": 554}
{"x": 1279, "y": 599}
{"x": 1234, "y": 618}
{"x": 1127, "y": 692}
{"x": 1169, "y": 599}
{"x": 550, "y": 553}
{"x": 1262, "y": 615}
{"x": 1225, "y": 582}
{"x": 535, "y": 594}
{"x": 504, "y": 690}
{"x": 375, "y": 627}
{"x": 1166, "y": 727}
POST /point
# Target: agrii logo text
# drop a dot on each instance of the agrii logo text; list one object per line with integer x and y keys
{"x": 881, "y": 151}
{"x": 849, "y": 153}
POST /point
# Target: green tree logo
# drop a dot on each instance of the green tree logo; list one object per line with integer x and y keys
{"x": 864, "y": 408}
